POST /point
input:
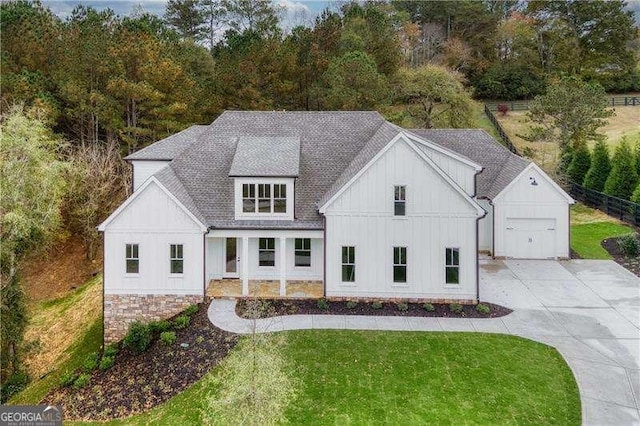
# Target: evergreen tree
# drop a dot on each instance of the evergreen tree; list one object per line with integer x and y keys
{"x": 636, "y": 157}
{"x": 580, "y": 163}
{"x": 600, "y": 167}
{"x": 635, "y": 197}
{"x": 187, "y": 18}
{"x": 623, "y": 177}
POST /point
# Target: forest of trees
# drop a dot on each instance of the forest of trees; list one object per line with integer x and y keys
{"x": 77, "y": 94}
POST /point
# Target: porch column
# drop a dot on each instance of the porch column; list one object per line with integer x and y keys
{"x": 283, "y": 266}
{"x": 245, "y": 266}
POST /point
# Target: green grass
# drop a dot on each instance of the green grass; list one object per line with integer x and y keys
{"x": 586, "y": 238}
{"x": 364, "y": 377}
{"x": 589, "y": 227}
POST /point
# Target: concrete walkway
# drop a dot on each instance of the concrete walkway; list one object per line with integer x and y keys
{"x": 588, "y": 310}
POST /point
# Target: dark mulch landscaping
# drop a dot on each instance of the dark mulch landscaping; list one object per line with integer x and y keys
{"x": 631, "y": 263}
{"x": 271, "y": 308}
{"x": 138, "y": 382}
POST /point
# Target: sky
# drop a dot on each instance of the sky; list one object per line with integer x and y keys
{"x": 297, "y": 11}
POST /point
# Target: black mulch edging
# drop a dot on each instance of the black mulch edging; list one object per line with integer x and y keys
{"x": 271, "y": 308}
{"x": 138, "y": 382}
{"x": 631, "y": 263}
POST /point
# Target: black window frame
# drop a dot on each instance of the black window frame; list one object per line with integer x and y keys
{"x": 132, "y": 258}
{"x": 400, "y": 265}
{"x": 400, "y": 200}
{"x": 266, "y": 252}
{"x": 348, "y": 264}
{"x": 452, "y": 266}
{"x": 176, "y": 259}
{"x": 302, "y": 250}
{"x": 249, "y": 196}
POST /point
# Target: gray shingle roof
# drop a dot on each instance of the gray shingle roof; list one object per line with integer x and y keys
{"x": 266, "y": 156}
{"x": 332, "y": 147}
{"x": 169, "y": 147}
{"x": 500, "y": 165}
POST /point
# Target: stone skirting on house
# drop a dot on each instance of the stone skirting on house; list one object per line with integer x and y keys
{"x": 120, "y": 310}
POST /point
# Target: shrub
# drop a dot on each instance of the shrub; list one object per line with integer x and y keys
{"x": 503, "y": 109}
{"x": 580, "y": 164}
{"x": 402, "y": 306}
{"x": 623, "y": 178}
{"x": 191, "y": 310}
{"x": 629, "y": 245}
{"x": 159, "y": 326}
{"x": 81, "y": 381}
{"x": 111, "y": 350}
{"x": 168, "y": 337}
{"x": 90, "y": 363}
{"x": 14, "y": 384}
{"x": 106, "y": 362}
{"x": 351, "y": 304}
{"x": 323, "y": 304}
{"x": 376, "y": 305}
{"x": 635, "y": 197}
{"x": 483, "y": 309}
{"x": 199, "y": 339}
{"x": 138, "y": 337}
{"x": 600, "y": 167}
{"x": 428, "y": 307}
{"x": 181, "y": 321}
{"x": 456, "y": 308}
{"x": 67, "y": 379}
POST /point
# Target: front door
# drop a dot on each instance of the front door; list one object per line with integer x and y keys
{"x": 231, "y": 258}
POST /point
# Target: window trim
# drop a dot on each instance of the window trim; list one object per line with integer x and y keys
{"x": 176, "y": 258}
{"x": 400, "y": 198}
{"x": 400, "y": 264}
{"x": 343, "y": 264}
{"x": 450, "y": 264}
{"x": 273, "y": 250}
{"x": 254, "y": 191}
{"x": 251, "y": 188}
{"x": 303, "y": 249}
{"x": 127, "y": 258}
{"x": 264, "y": 188}
{"x": 279, "y": 198}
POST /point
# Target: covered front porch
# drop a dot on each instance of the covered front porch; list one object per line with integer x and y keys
{"x": 264, "y": 263}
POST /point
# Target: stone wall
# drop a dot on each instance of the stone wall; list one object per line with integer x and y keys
{"x": 120, "y": 310}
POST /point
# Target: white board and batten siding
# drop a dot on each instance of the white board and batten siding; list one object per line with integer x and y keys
{"x": 215, "y": 260}
{"x": 485, "y": 227}
{"x": 437, "y": 217}
{"x": 154, "y": 221}
{"x": 144, "y": 169}
{"x": 532, "y": 221}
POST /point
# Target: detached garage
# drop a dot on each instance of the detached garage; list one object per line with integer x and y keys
{"x": 527, "y": 212}
{"x": 531, "y": 218}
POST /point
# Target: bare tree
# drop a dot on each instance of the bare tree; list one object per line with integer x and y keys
{"x": 99, "y": 180}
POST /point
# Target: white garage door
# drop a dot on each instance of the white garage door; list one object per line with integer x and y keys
{"x": 530, "y": 238}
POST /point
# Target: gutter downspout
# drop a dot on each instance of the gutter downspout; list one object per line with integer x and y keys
{"x": 324, "y": 254}
{"x": 475, "y": 191}
{"x": 104, "y": 255}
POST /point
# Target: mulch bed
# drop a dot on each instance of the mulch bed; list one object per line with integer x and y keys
{"x": 271, "y": 308}
{"x": 631, "y": 263}
{"x": 138, "y": 382}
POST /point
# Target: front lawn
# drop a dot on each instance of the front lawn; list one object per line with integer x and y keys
{"x": 589, "y": 227}
{"x": 364, "y": 377}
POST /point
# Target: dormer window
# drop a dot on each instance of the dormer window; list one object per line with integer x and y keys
{"x": 271, "y": 198}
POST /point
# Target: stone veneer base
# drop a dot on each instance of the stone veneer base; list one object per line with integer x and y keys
{"x": 120, "y": 310}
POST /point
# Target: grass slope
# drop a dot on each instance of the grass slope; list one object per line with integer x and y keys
{"x": 66, "y": 330}
{"x": 363, "y": 377}
{"x": 589, "y": 227}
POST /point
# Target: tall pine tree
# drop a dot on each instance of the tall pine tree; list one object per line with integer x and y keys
{"x": 600, "y": 167}
{"x": 623, "y": 177}
{"x": 580, "y": 163}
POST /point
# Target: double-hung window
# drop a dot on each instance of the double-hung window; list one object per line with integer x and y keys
{"x": 176, "y": 258}
{"x": 248, "y": 198}
{"x": 452, "y": 266}
{"x": 399, "y": 264}
{"x": 279, "y": 198}
{"x": 264, "y": 198}
{"x": 399, "y": 197}
{"x": 348, "y": 264}
{"x": 267, "y": 252}
{"x": 303, "y": 252}
{"x": 132, "y": 259}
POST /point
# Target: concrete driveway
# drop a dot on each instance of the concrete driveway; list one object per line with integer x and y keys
{"x": 590, "y": 311}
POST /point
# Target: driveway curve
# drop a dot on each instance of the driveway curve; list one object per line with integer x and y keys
{"x": 589, "y": 310}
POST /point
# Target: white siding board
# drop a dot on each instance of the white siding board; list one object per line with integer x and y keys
{"x": 437, "y": 217}
{"x": 143, "y": 170}
{"x": 460, "y": 173}
{"x": 485, "y": 227}
{"x": 153, "y": 221}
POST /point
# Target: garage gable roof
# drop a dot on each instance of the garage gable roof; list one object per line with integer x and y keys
{"x": 545, "y": 176}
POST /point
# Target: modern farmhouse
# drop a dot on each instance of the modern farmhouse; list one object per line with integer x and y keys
{"x": 321, "y": 204}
